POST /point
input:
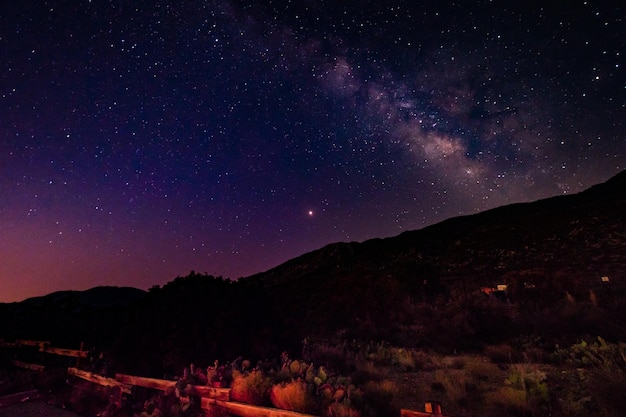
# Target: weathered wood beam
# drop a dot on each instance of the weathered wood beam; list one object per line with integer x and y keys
{"x": 140, "y": 381}
{"x": 26, "y": 365}
{"x": 99, "y": 379}
{"x": 65, "y": 352}
{"x": 247, "y": 410}
{"x": 38, "y": 343}
{"x": 413, "y": 413}
{"x": 222, "y": 394}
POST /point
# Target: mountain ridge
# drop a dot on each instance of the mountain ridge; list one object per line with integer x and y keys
{"x": 558, "y": 214}
{"x": 420, "y": 246}
{"x": 422, "y": 288}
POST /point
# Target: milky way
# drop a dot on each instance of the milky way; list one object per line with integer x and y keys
{"x": 139, "y": 142}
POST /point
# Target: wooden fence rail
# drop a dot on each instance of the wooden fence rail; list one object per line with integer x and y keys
{"x": 247, "y": 410}
{"x": 26, "y": 365}
{"x": 18, "y": 343}
{"x": 45, "y": 347}
{"x": 140, "y": 381}
{"x": 219, "y": 398}
{"x": 210, "y": 397}
{"x": 413, "y": 413}
{"x": 99, "y": 379}
{"x": 163, "y": 384}
{"x": 65, "y": 352}
{"x": 37, "y": 343}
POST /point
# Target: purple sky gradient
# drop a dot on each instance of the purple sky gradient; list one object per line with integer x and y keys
{"x": 140, "y": 142}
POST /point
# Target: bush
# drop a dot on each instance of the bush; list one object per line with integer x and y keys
{"x": 423, "y": 361}
{"x": 252, "y": 388}
{"x": 292, "y": 396}
{"x": 483, "y": 371}
{"x": 367, "y": 371}
{"x": 377, "y": 398}
{"x": 88, "y": 399}
{"x": 599, "y": 354}
{"x": 525, "y": 392}
{"x": 340, "y": 409}
{"x": 405, "y": 359}
{"x": 502, "y": 353}
{"x": 513, "y": 401}
{"x": 610, "y": 386}
{"x": 339, "y": 355}
{"x": 454, "y": 383}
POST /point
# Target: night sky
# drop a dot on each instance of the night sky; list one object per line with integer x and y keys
{"x": 142, "y": 140}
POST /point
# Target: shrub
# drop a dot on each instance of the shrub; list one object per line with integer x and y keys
{"x": 610, "y": 386}
{"x": 88, "y": 399}
{"x": 340, "y": 409}
{"x": 525, "y": 391}
{"x": 511, "y": 399}
{"x": 292, "y": 396}
{"x": 483, "y": 371}
{"x": 252, "y": 388}
{"x": 448, "y": 362}
{"x": 338, "y": 355}
{"x": 598, "y": 354}
{"x": 423, "y": 361}
{"x": 404, "y": 359}
{"x": 502, "y": 353}
{"x": 367, "y": 371}
{"x": 455, "y": 383}
{"x": 377, "y": 399}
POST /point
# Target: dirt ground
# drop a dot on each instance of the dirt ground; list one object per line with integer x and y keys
{"x": 34, "y": 409}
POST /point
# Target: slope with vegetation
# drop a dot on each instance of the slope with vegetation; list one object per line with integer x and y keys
{"x": 406, "y": 319}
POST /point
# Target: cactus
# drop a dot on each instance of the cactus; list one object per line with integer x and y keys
{"x": 321, "y": 373}
{"x": 598, "y": 354}
{"x": 294, "y": 368}
{"x": 310, "y": 375}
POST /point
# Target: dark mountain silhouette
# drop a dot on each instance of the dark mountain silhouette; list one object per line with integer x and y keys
{"x": 585, "y": 232}
{"x": 98, "y": 297}
{"x": 418, "y": 289}
{"x": 69, "y": 317}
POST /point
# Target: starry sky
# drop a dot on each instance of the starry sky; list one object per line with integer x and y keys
{"x": 142, "y": 140}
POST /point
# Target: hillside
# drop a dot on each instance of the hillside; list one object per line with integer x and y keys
{"x": 419, "y": 289}
{"x": 70, "y": 317}
{"x": 582, "y": 234}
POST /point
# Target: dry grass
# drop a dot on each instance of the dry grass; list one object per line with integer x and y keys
{"x": 481, "y": 370}
{"x": 502, "y": 353}
{"x": 507, "y": 398}
{"x": 341, "y": 410}
{"x": 252, "y": 388}
{"x": 292, "y": 396}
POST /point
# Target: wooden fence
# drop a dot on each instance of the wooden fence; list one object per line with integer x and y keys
{"x": 211, "y": 398}
{"x": 43, "y": 347}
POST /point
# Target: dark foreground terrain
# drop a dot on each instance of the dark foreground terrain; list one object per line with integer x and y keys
{"x": 35, "y": 409}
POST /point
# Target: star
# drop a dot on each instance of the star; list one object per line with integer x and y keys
{"x": 142, "y": 126}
